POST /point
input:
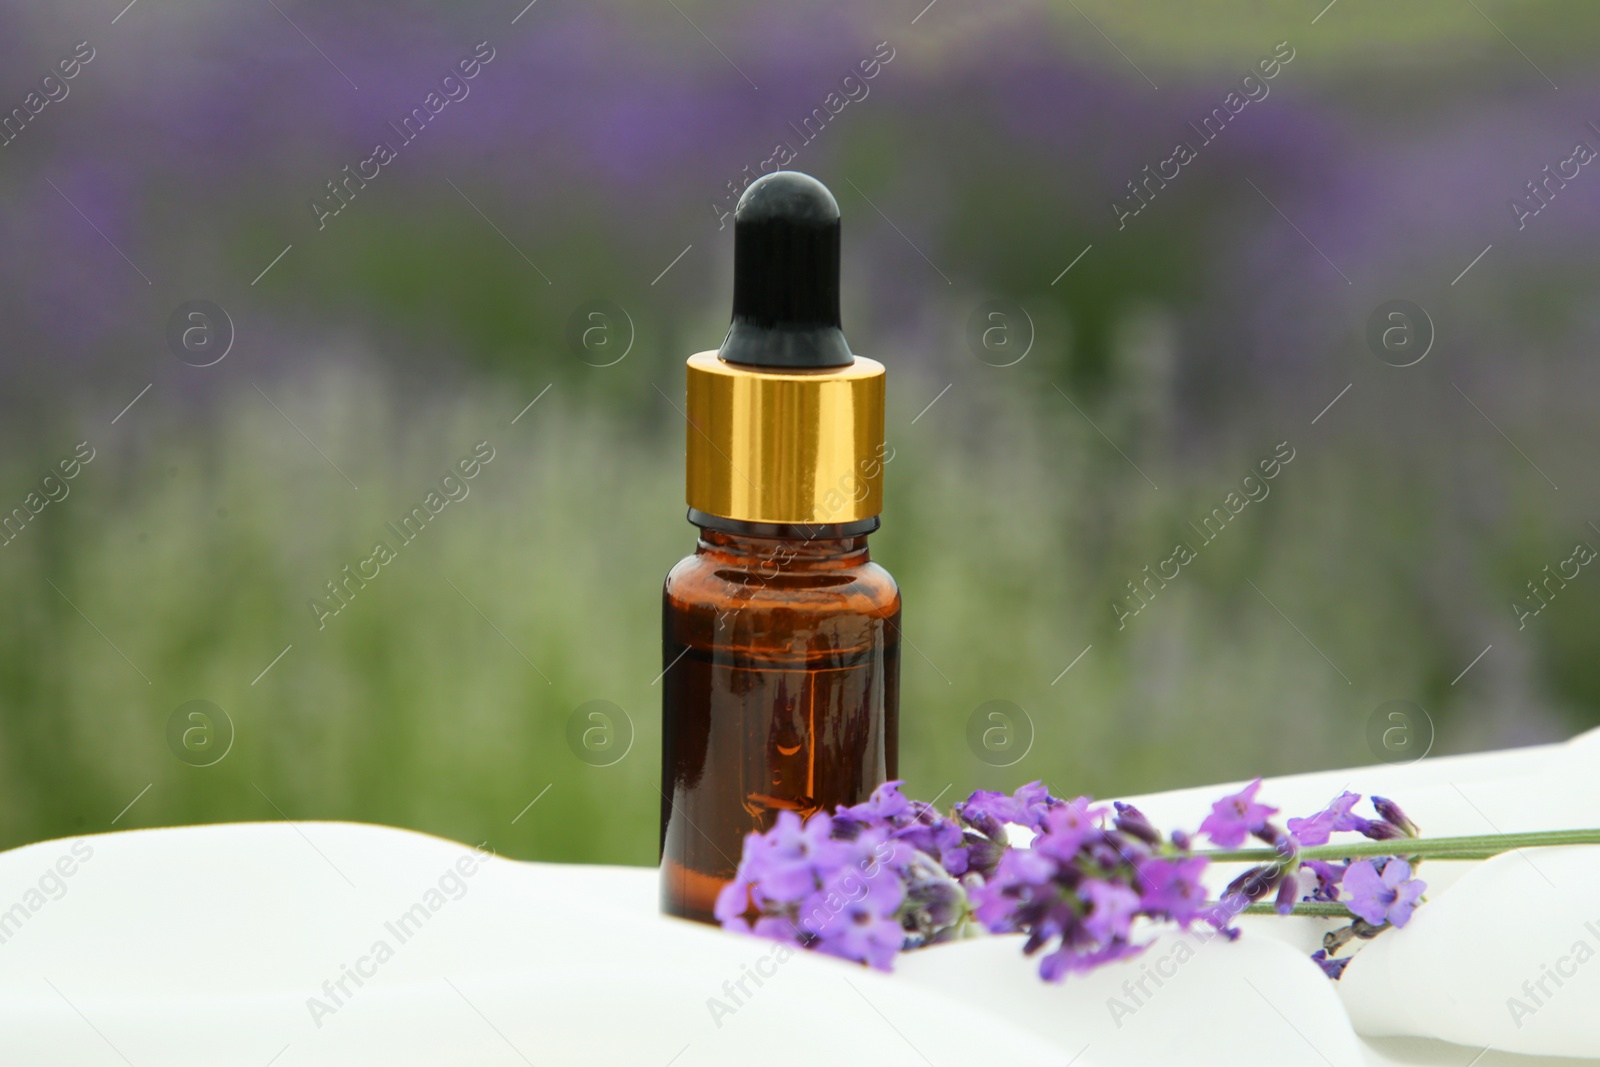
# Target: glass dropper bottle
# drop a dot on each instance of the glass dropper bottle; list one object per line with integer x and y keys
{"x": 780, "y": 636}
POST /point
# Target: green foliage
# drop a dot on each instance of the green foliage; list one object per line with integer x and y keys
{"x": 438, "y": 697}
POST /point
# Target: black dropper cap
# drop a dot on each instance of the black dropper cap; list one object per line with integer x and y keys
{"x": 786, "y": 276}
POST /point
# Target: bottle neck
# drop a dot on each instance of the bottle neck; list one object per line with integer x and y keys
{"x": 793, "y": 546}
{"x": 784, "y": 531}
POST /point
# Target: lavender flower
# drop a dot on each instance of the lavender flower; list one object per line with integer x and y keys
{"x": 1112, "y": 907}
{"x": 892, "y": 874}
{"x": 861, "y": 884}
{"x": 1391, "y": 814}
{"x": 1333, "y": 968}
{"x": 862, "y": 927}
{"x": 1324, "y": 881}
{"x": 1170, "y": 888}
{"x": 1390, "y": 825}
{"x": 1255, "y": 883}
{"x": 1387, "y": 894}
{"x": 1081, "y": 885}
{"x": 1021, "y": 882}
{"x": 984, "y": 816}
{"x": 1068, "y": 828}
{"x": 1026, "y": 807}
{"x": 1378, "y": 892}
{"x": 1236, "y": 816}
{"x": 1288, "y": 894}
{"x": 1318, "y": 828}
{"x": 1130, "y": 820}
{"x": 914, "y": 822}
{"x": 806, "y": 886}
{"x": 935, "y": 907}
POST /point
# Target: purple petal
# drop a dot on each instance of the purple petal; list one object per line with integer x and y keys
{"x": 1365, "y": 893}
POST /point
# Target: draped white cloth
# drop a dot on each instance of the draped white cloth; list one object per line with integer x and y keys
{"x": 333, "y": 943}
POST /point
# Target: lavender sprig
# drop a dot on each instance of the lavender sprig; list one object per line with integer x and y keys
{"x": 893, "y": 874}
{"x": 1475, "y": 847}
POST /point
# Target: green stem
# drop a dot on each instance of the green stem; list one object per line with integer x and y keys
{"x": 1322, "y": 909}
{"x": 1477, "y": 847}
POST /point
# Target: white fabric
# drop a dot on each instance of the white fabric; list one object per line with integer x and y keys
{"x": 211, "y": 945}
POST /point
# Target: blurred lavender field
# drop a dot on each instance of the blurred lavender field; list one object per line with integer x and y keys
{"x": 1418, "y": 547}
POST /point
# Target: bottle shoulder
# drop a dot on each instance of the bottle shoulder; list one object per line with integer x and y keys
{"x": 700, "y": 580}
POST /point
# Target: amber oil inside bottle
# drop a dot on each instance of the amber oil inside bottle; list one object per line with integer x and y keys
{"x": 781, "y": 656}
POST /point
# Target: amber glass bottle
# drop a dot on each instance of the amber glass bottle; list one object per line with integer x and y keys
{"x": 780, "y": 636}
